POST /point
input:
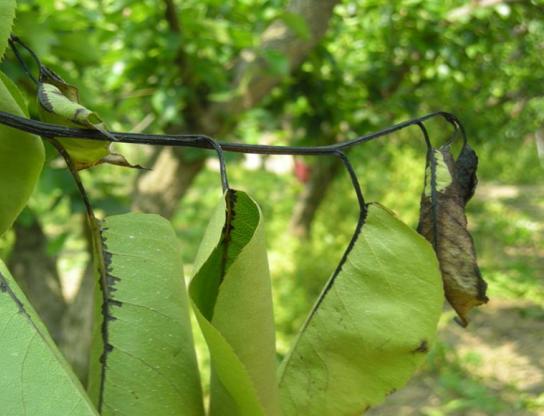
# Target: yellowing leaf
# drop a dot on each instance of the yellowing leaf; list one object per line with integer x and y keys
{"x": 371, "y": 326}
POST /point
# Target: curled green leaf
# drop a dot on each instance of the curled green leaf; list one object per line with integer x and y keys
{"x": 59, "y": 104}
{"x": 232, "y": 299}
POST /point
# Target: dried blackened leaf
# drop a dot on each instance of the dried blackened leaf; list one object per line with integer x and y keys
{"x": 449, "y": 184}
{"x": 465, "y": 172}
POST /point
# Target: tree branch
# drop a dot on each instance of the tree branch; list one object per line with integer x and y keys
{"x": 252, "y": 76}
{"x": 204, "y": 142}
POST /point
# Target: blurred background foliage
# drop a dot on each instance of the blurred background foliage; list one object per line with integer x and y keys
{"x": 173, "y": 66}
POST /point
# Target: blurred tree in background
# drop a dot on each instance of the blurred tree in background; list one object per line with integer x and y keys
{"x": 296, "y": 72}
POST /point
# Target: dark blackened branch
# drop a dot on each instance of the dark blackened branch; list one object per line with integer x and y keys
{"x": 425, "y": 135}
{"x": 204, "y": 142}
{"x": 75, "y": 175}
{"x": 354, "y": 180}
{"x": 13, "y": 41}
{"x": 222, "y": 164}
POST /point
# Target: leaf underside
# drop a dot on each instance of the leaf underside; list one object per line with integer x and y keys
{"x": 371, "y": 326}
{"x": 443, "y": 222}
{"x": 34, "y": 377}
{"x": 144, "y": 361}
{"x": 231, "y": 295}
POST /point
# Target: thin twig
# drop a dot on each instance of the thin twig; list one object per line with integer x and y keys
{"x": 13, "y": 40}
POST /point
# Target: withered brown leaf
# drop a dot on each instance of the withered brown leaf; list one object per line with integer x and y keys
{"x": 443, "y": 222}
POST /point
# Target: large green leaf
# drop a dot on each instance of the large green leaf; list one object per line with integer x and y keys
{"x": 34, "y": 377}
{"x": 7, "y": 14}
{"x": 371, "y": 326}
{"x": 21, "y": 160}
{"x": 143, "y": 360}
{"x": 232, "y": 299}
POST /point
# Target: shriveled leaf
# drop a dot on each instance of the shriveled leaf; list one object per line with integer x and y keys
{"x": 231, "y": 297}
{"x": 143, "y": 360}
{"x": 7, "y": 14}
{"x": 371, "y": 326}
{"x": 21, "y": 159}
{"x": 443, "y": 222}
{"x": 34, "y": 377}
{"x": 59, "y": 104}
{"x": 465, "y": 172}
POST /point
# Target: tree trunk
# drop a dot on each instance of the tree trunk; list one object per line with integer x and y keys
{"x": 161, "y": 189}
{"x": 322, "y": 176}
{"x": 36, "y": 273}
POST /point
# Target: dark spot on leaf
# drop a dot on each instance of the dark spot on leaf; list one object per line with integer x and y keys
{"x": 77, "y": 113}
{"x": 423, "y": 347}
{"x": 43, "y": 99}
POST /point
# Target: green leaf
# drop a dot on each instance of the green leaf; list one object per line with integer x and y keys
{"x": 7, "y": 14}
{"x": 143, "y": 360}
{"x": 15, "y": 93}
{"x": 21, "y": 160}
{"x": 371, "y": 326}
{"x": 231, "y": 297}
{"x": 35, "y": 379}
